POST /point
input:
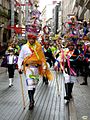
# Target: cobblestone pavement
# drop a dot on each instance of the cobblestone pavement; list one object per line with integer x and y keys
{"x": 2, "y": 69}
{"x": 48, "y": 105}
{"x": 81, "y": 95}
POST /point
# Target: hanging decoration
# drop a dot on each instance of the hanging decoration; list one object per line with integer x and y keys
{"x": 20, "y": 4}
{"x": 18, "y": 30}
{"x": 33, "y": 23}
{"x": 23, "y": 4}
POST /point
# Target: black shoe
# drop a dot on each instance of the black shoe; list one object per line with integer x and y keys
{"x": 70, "y": 97}
{"x": 66, "y": 98}
{"x": 31, "y": 106}
{"x": 33, "y": 102}
{"x": 46, "y": 82}
{"x": 83, "y": 83}
{"x": 44, "y": 79}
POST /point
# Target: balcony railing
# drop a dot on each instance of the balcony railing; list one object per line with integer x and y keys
{"x": 88, "y": 4}
{"x": 81, "y": 2}
{"x": 3, "y": 11}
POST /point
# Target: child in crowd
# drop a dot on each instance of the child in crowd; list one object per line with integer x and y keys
{"x": 11, "y": 62}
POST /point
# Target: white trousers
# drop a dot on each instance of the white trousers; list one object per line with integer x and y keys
{"x": 29, "y": 81}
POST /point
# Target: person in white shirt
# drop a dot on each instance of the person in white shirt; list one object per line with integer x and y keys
{"x": 11, "y": 61}
{"x": 26, "y": 51}
{"x": 34, "y": 64}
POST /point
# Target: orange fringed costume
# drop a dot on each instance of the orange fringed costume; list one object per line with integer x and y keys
{"x": 37, "y": 59}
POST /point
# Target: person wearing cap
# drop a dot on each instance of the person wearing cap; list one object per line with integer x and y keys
{"x": 34, "y": 64}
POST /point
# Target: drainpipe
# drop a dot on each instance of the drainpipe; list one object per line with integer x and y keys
{"x": 26, "y": 17}
{"x": 12, "y": 16}
{"x": 1, "y": 34}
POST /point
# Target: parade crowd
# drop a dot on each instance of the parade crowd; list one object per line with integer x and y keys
{"x": 69, "y": 54}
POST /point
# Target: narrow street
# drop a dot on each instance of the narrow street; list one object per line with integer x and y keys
{"x": 39, "y": 38}
{"x": 49, "y": 103}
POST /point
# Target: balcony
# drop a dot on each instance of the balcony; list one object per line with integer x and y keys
{"x": 1, "y": 8}
{"x": 81, "y": 2}
{"x": 16, "y": 16}
{"x": 88, "y": 4}
{"x": 85, "y": 6}
{"x": 82, "y": 12}
{"x": 3, "y": 11}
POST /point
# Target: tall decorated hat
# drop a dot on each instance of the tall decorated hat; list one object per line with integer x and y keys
{"x": 33, "y": 26}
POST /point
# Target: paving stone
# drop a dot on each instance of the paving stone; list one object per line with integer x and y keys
{"x": 48, "y": 104}
{"x": 81, "y": 95}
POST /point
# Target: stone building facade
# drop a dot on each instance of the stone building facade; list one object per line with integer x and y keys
{"x": 4, "y": 18}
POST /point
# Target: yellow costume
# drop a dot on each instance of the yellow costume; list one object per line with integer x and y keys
{"x": 37, "y": 59}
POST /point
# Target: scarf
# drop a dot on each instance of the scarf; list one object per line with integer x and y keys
{"x": 37, "y": 59}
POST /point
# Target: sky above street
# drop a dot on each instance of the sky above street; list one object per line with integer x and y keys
{"x": 43, "y": 3}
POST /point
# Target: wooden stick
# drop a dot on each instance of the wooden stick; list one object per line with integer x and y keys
{"x": 57, "y": 83}
{"x": 22, "y": 91}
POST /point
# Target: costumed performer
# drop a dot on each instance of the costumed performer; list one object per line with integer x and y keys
{"x": 34, "y": 64}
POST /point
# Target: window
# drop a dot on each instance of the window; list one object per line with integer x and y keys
{"x": 1, "y": 2}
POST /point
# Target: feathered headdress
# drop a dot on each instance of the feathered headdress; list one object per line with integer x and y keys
{"x": 33, "y": 27}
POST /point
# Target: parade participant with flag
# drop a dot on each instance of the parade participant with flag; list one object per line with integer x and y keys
{"x": 70, "y": 70}
{"x": 34, "y": 64}
{"x": 66, "y": 62}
